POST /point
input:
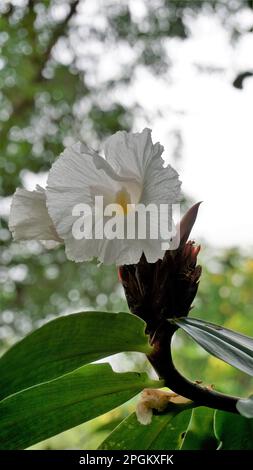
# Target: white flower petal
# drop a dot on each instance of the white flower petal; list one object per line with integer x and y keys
{"x": 135, "y": 154}
{"x": 161, "y": 184}
{"x": 108, "y": 252}
{"x": 70, "y": 182}
{"x": 120, "y": 252}
{"x": 77, "y": 177}
{"x": 130, "y": 154}
{"x": 29, "y": 218}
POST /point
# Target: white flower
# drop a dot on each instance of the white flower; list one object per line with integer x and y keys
{"x": 132, "y": 172}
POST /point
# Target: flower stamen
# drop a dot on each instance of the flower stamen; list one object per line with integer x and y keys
{"x": 123, "y": 198}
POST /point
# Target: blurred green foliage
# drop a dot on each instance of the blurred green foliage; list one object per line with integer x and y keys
{"x": 51, "y": 93}
{"x": 225, "y": 297}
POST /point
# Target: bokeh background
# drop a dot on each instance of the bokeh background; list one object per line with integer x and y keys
{"x": 83, "y": 70}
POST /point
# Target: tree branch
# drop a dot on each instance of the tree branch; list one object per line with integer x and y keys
{"x": 58, "y": 32}
{"x": 26, "y": 103}
{"x": 239, "y": 80}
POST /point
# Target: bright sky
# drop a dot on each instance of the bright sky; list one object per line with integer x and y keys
{"x": 217, "y": 129}
{"x": 215, "y": 120}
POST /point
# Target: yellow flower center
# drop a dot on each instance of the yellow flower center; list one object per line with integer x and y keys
{"x": 123, "y": 199}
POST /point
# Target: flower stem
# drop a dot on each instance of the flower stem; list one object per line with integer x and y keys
{"x": 161, "y": 360}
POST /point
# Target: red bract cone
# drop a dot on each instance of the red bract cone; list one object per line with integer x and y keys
{"x": 165, "y": 289}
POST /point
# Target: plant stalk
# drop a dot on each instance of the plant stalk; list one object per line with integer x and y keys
{"x": 161, "y": 360}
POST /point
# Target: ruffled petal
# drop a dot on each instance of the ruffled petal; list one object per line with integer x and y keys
{"x": 129, "y": 154}
{"x": 161, "y": 184}
{"x": 77, "y": 177}
{"x": 29, "y": 218}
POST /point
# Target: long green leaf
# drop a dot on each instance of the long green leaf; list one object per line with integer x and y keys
{"x": 234, "y": 432}
{"x": 229, "y": 346}
{"x": 67, "y": 343}
{"x": 200, "y": 433}
{"x": 165, "y": 432}
{"x": 47, "y": 409}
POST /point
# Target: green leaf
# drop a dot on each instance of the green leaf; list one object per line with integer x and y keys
{"x": 166, "y": 431}
{"x": 234, "y": 432}
{"x": 200, "y": 433}
{"x": 245, "y": 407}
{"x": 47, "y": 409}
{"x": 67, "y": 343}
{"x": 227, "y": 345}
